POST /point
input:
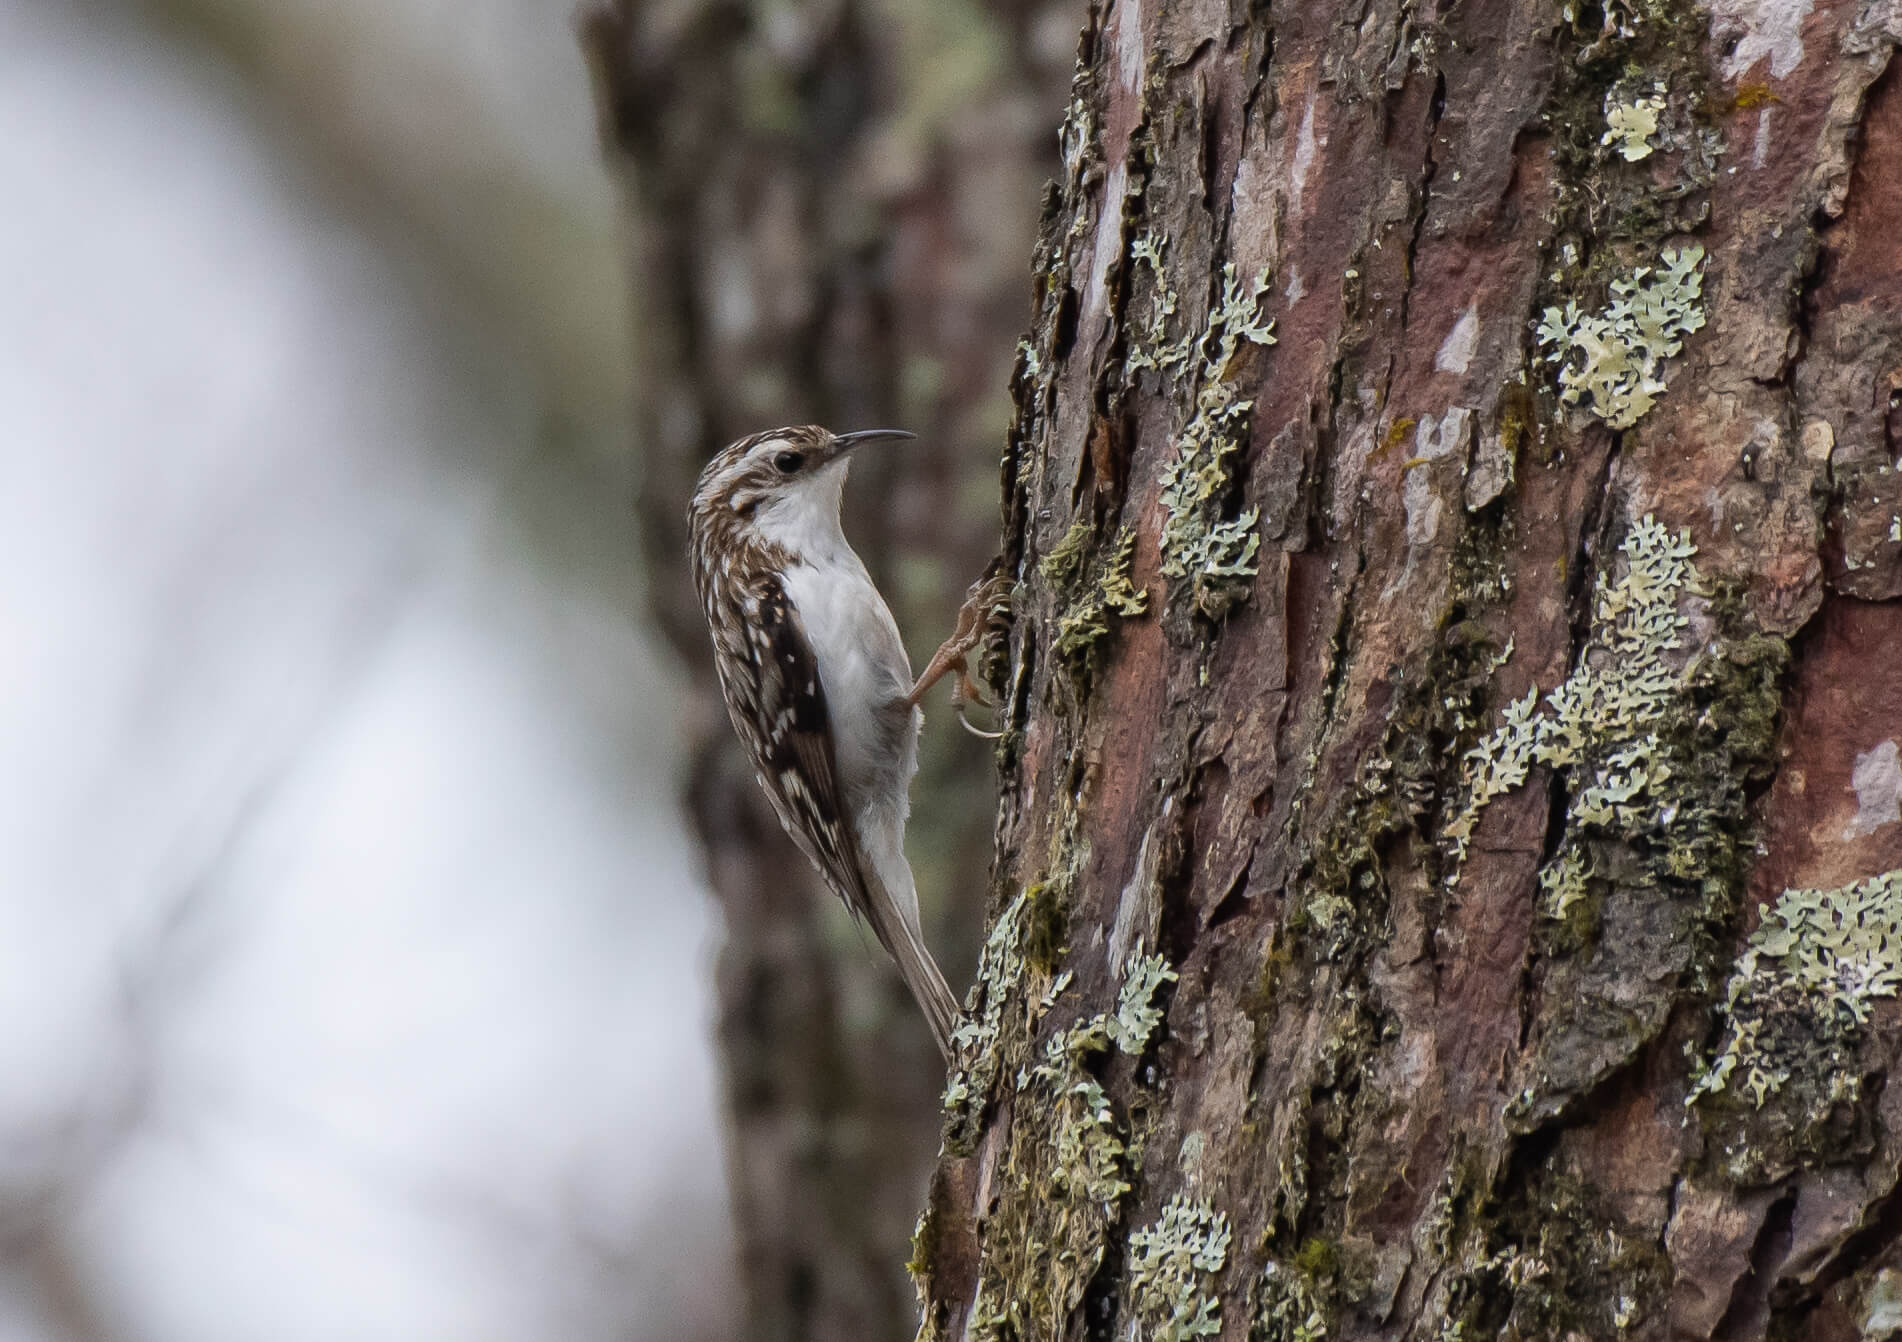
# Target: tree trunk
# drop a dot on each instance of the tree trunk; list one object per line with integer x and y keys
{"x": 1449, "y": 834}
{"x": 832, "y": 206}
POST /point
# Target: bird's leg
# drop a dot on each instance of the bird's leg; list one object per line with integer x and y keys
{"x": 981, "y": 605}
{"x": 985, "y": 602}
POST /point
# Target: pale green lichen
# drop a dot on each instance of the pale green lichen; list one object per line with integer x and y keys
{"x": 1615, "y": 358}
{"x": 1118, "y": 592}
{"x": 1807, "y": 978}
{"x": 1515, "y": 1267}
{"x": 1287, "y": 1307}
{"x": 1129, "y": 1028}
{"x": 1033, "y": 361}
{"x": 1000, "y": 974}
{"x": 1882, "y": 1305}
{"x": 1330, "y": 918}
{"x": 1237, "y": 318}
{"x": 1064, "y": 563}
{"x": 1088, "y": 1144}
{"x": 989, "y": 1319}
{"x": 1068, "y": 1144}
{"x": 1170, "y": 1266}
{"x": 1630, "y": 125}
{"x": 1055, "y": 990}
{"x": 1077, "y": 137}
{"x": 1068, "y": 1161}
{"x": 1603, "y": 722}
{"x": 1137, "y": 1015}
{"x": 1088, "y": 616}
{"x": 1089, "y": 1148}
{"x": 1213, "y": 552}
{"x": 1149, "y": 343}
{"x": 1562, "y": 884}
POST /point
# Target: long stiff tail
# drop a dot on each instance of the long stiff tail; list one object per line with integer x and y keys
{"x": 921, "y": 975}
{"x": 887, "y": 898}
{"x": 915, "y": 966}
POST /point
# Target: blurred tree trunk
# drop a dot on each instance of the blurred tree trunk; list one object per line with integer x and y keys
{"x": 1447, "y": 879}
{"x": 833, "y": 204}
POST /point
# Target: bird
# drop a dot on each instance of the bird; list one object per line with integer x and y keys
{"x": 815, "y": 677}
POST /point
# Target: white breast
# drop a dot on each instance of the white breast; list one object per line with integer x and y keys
{"x": 864, "y": 669}
{"x": 863, "y": 666}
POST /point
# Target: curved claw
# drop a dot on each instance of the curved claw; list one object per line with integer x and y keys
{"x": 963, "y": 693}
{"x": 973, "y": 728}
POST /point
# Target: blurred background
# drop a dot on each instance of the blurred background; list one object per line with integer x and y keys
{"x": 390, "y": 944}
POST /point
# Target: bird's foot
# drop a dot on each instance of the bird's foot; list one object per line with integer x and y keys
{"x": 985, "y": 606}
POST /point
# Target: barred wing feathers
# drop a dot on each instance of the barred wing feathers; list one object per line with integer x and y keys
{"x": 791, "y": 739}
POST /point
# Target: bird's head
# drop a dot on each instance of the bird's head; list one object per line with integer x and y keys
{"x": 783, "y": 479}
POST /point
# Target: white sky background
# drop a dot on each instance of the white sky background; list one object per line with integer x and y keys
{"x": 352, "y": 962}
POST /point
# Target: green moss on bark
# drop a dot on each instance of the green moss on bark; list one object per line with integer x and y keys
{"x": 1069, "y": 1160}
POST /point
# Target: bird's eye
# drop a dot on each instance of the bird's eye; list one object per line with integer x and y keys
{"x": 788, "y": 462}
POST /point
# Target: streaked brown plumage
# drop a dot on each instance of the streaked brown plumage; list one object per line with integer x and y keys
{"x": 815, "y": 677}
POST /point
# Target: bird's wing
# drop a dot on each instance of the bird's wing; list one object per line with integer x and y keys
{"x": 794, "y": 753}
{"x": 794, "y": 736}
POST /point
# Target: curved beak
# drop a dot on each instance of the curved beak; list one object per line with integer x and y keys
{"x": 843, "y": 443}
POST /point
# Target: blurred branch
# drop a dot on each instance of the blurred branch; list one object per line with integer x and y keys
{"x": 832, "y": 216}
{"x": 475, "y": 142}
{"x": 64, "y": 1294}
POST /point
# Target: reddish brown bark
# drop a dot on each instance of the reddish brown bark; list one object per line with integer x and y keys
{"x": 1432, "y": 1093}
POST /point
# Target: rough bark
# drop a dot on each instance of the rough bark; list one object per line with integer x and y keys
{"x": 1451, "y": 779}
{"x": 833, "y": 204}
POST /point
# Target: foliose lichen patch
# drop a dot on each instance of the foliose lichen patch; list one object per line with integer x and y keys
{"x": 1800, "y": 998}
{"x": 1630, "y": 125}
{"x": 1092, "y": 605}
{"x": 1604, "y": 720}
{"x": 1614, "y": 359}
{"x": 1149, "y": 345}
{"x": 1064, "y": 564}
{"x": 1654, "y": 745}
{"x": 1634, "y": 134}
{"x": 1000, "y": 979}
{"x": 1286, "y": 1307}
{"x": 1137, "y": 1014}
{"x": 1067, "y": 1165}
{"x": 1171, "y": 1263}
{"x": 1214, "y": 553}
